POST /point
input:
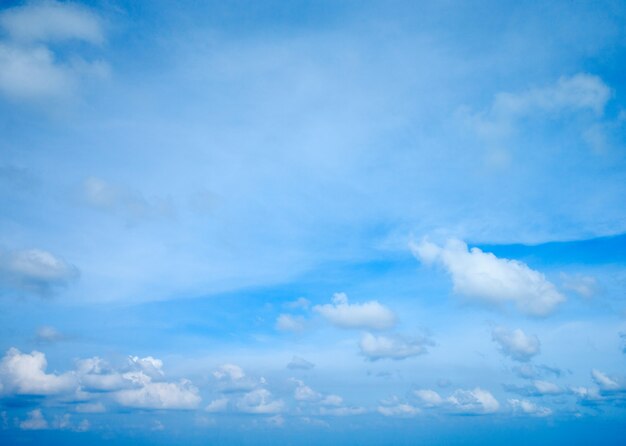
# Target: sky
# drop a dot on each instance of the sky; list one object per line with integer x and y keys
{"x": 312, "y": 222}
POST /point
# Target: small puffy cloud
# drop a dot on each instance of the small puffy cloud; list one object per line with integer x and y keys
{"x": 35, "y": 270}
{"x": 51, "y": 21}
{"x": 604, "y": 381}
{"x": 516, "y": 344}
{"x": 489, "y": 279}
{"x": 48, "y": 334}
{"x": 429, "y": 398}
{"x": 160, "y": 395}
{"x": 34, "y": 421}
{"x": 304, "y": 392}
{"x": 474, "y": 401}
{"x": 298, "y": 363}
{"x": 369, "y": 315}
{"x": 232, "y": 378}
{"x": 149, "y": 365}
{"x": 391, "y": 347}
{"x": 287, "y": 322}
{"x": 259, "y": 401}
{"x": 528, "y": 408}
{"x": 218, "y": 405}
{"x": 471, "y": 402}
{"x": 25, "y": 374}
{"x": 585, "y": 286}
{"x": 230, "y": 372}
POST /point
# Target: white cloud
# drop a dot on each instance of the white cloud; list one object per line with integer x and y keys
{"x": 51, "y": 21}
{"x": 35, "y": 270}
{"x": 232, "y": 378}
{"x": 304, "y": 392}
{"x": 428, "y": 397}
{"x": 35, "y": 421}
{"x": 391, "y": 347}
{"x": 218, "y": 405}
{"x": 516, "y": 344}
{"x": 398, "y": 410}
{"x": 287, "y": 322}
{"x": 25, "y": 374}
{"x": 529, "y": 408}
{"x": 149, "y": 365}
{"x": 489, "y": 279}
{"x": 369, "y": 315}
{"x": 476, "y": 401}
{"x": 47, "y": 333}
{"x": 298, "y": 363}
{"x": 160, "y": 395}
{"x": 259, "y": 401}
{"x": 546, "y": 388}
{"x": 300, "y": 303}
{"x": 29, "y": 69}
{"x": 604, "y": 381}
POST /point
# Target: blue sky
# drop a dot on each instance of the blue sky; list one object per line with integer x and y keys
{"x": 312, "y": 222}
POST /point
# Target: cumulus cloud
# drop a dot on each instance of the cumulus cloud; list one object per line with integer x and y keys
{"x": 160, "y": 395}
{"x": 287, "y": 322}
{"x": 298, "y": 363}
{"x": 259, "y": 401}
{"x": 232, "y": 378}
{"x": 29, "y": 68}
{"x": 218, "y": 405}
{"x": 528, "y": 408}
{"x": 34, "y": 421}
{"x": 391, "y": 347}
{"x": 489, "y": 279}
{"x": 516, "y": 344}
{"x": 472, "y": 402}
{"x": 369, "y": 315}
{"x": 25, "y": 374}
{"x": 35, "y": 270}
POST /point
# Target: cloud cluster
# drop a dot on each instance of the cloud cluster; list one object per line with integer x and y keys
{"x": 140, "y": 384}
{"x": 242, "y": 394}
{"x": 476, "y": 401}
{"x": 369, "y": 315}
{"x": 29, "y": 67}
{"x": 516, "y": 344}
{"x": 528, "y": 408}
{"x": 392, "y": 347}
{"x": 489, "y": 279}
